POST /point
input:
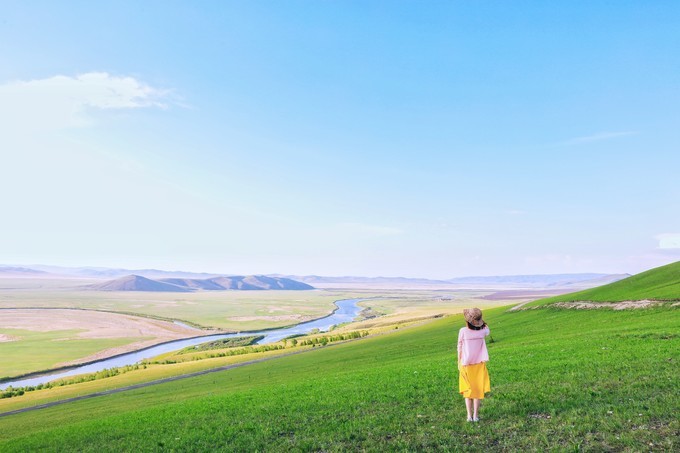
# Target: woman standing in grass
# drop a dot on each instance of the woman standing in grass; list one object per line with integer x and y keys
{"x": 473, "y": 381}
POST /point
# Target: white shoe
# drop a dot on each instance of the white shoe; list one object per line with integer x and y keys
{"x": 469, "y": 419}
{"x": 475, "y": 420}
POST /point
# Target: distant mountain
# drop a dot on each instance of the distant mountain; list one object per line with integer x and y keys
{"x": 206, "y": 284}
{"x": 540, "y": 280}
{"x": 255, "y": 282}
{"x": 106, "y": 272}
{"x": 11, "y": 271}
{"x": 138, "y": 283}
{"x": 250, "y": 282}
{"x": 599, "y": 281}
{"x": 355, "y": 279}
{"x": 217, "y": 282}
{"x": 585, "y": 280}
{"x": 547, "y": 279}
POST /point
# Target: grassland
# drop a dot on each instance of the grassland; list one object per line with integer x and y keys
{"x": 190, "y": 360}
{"x": 40, "y": 339}
{"x": 661, "y": 283}
{"x": 561, "y": 380}
{"x": 227, "y": 310}
{"x": 408, "y": 305}
{"x": 43, "y": 350}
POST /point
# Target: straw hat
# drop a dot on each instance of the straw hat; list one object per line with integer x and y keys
{"x": 473, "y": 316}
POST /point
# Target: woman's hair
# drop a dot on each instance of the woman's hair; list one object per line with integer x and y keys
{"x": 470, "y": 326}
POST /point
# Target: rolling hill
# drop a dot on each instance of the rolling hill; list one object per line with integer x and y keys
{"x": 661, "y": 283}
{"x": 193, "y": 283}
{"x": 243, "y": 283}
{"x": 137, "y": 283}
{"x": 259, "y": 282}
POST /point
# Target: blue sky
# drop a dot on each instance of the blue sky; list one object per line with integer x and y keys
{"x": 432, "y": 139}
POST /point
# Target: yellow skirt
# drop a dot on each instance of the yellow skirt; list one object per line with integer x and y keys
{"x": 473, "y": 381}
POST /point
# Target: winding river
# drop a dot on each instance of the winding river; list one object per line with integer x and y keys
{"x": 346, "y": 311}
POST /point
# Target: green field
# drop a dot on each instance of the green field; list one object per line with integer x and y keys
{"x": 228, "y": 310}
{"x": 43, "y": 350}
{"x": 661, "y": 283}
{"x": 561, "y": 380}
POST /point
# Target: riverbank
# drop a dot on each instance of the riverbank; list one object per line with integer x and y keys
{"x": 345, "y": 311}
{"x": 183, "y": 363}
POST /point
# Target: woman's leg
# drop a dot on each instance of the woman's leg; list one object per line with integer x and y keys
{"x": 476, "y": 403}
{"x": 468, "y": 406}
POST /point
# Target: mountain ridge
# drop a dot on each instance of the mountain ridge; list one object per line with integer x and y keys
{"x": 576, "y": 280}
{"x": 239, "y": 282}
{"x": 17, "y": 271}
{"x": 579, "y": 280}
{"x": 137, "y": 283}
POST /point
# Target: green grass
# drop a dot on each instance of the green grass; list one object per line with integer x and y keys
{"x": 561, "y": 380}
{"x": 34, "y": 351}
{"x": 661, "y": 283}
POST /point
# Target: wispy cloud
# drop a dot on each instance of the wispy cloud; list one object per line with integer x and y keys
{"x": 64, "y": 101}
{"x": 600, "y": 136}
{"x": 669, "y": 240}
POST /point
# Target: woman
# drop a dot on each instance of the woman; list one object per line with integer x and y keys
{"x": 472, "y": 357}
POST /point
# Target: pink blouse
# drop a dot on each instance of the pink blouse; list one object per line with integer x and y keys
{"x": 471, "y": 346}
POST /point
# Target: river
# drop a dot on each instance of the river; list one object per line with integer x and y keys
{"x": 346, "y": 311}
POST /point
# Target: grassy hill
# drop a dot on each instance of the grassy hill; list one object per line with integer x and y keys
{"x": 137, "y": 283}
{"x": 661, "y": 283}
{"x": 561, "y": 380}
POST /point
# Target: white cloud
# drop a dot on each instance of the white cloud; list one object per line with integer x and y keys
{"x": 597, "y": 137}
{"x": 63, "y": 101}
{"x": 669, "y": 240}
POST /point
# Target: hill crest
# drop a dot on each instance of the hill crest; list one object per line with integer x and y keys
{"x": 658, "y": 284}
{"x": 137, "y": 283}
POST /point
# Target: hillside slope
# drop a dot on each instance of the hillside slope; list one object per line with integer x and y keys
{"x": 259, "y": 282}
{"x": 397, "y": 392}
{"x": 193, "y": 283}
{"x": 137, "y": 283}
{"x": 661, "y": 283}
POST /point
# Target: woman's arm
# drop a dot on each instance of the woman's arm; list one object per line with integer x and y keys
{"x": 460, "y": 347}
